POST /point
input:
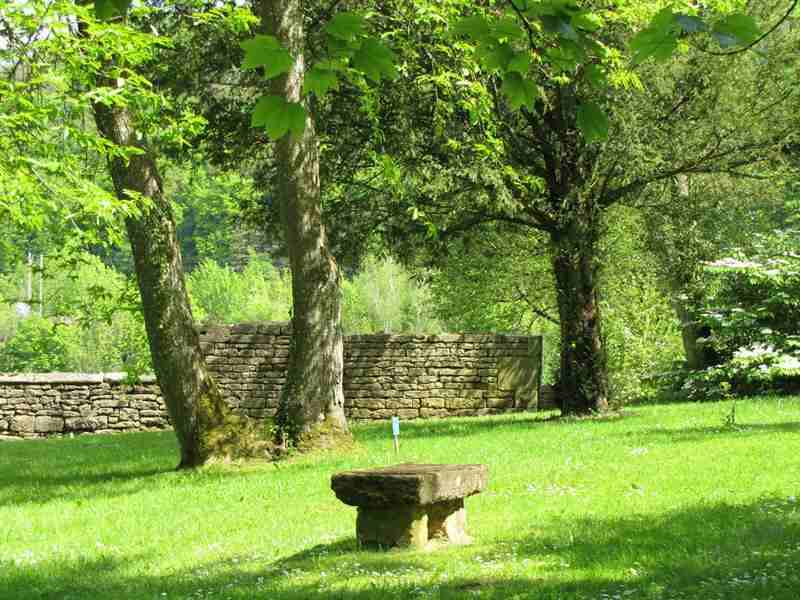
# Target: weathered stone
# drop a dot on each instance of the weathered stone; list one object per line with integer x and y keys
{"x": 520, "y": 375}
{"x": 48, "y": 424}
{"x": 411, "y": 505}
{"x": 390, "y": 527}
{"x": 447, "y": 521}
{"x": 85, "y": 423}
{"x": 409, "y": 484}
{"x": 22, "y": 424}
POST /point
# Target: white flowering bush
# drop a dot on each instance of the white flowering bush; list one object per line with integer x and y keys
{"x": 753, "y": 320}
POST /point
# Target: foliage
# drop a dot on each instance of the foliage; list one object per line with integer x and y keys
{"x": 258, "y": 293}
{"x": 91, "y": 319}
{"x": 504, "y": 38}
{"x": 498, "y": 279}
{"x": 350, "y": 53}
{"x": 666, "y": 520}
{"x": 38, "y": 345}
{"x": 752, "y": 316}
{"x": 641, "y": 334}
{"x": 383, "y": 297}
{"x": 208, "y": 206}
{"x": 51, "y": 164}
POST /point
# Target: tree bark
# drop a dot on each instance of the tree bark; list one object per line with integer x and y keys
{"x": 582, "y": 381}
{"x": 690, "y": 334}
{"x": 204, "y": 424}
{"x": 311, "y": 409}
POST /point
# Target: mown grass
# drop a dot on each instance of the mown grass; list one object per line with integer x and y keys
{"x": 666, "y": 503}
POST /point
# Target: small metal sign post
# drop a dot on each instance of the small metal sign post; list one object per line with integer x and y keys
{"x": 396, "y": 434}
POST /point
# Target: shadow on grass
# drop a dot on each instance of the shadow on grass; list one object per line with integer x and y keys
{"x": 696, "y": 434}
{"x": 89, "y": 467}
{"x": 703, "y": 551}
{"x": 458, "y": 427}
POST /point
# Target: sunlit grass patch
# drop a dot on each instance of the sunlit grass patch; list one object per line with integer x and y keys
{"x": 666, "y": 502}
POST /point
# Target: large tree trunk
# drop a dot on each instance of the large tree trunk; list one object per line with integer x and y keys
{"x": 311, "y": 411}
{"x": 583, "y": 378}
{"x": 204, "y": 424}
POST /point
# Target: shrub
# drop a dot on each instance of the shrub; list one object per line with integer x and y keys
{"x": 383, "y": 297}
{"x": 92, "y": 323}
{"x": 37, "y": 346}
{"x": 258, "y": 293}
{"x": 752, "y": 315}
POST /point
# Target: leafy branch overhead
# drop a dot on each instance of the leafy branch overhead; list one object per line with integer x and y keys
{"x": 105, "y": 10}
{"x": 351, "y": 53}
{"x": 555, "y": 42}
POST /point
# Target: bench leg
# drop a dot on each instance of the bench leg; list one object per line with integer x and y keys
{"x": 388, "y": 527}
{"x": 447, "y": 521}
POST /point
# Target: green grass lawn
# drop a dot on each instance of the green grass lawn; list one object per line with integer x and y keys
{"x": 666, "y": 503}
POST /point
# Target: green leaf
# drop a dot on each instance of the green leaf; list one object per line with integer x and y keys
{"x": 593, "y": 122}
{"x": 659, "y": 40}
{"x": 596, "y": 76}
{"x": 265, "y": 51}
{"x": 663, "y": 22}
{"x": 508, "y": 28}
{"x": 278, "y": 116}
{"x": 475, "y": 27}
{"x": 494, "y": 56}
{"x": 520, "y": 63}
{"x": 725, "y": 40}
{"x": 567, "y": 55}
{"x": 739, "y": 26}
{"x": 374, "y": 60}
{"x": 560, "y": 26}
{"x": 690, "y": 23}
{"x": 520, "y": 91}
{"x": 320, "y": 80}
{"x": 346, "y": 26}
{"x": 587, "y": 21}
{"x": 108, "y": 9}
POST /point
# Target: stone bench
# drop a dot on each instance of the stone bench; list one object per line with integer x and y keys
{"x": 410, "y": 505}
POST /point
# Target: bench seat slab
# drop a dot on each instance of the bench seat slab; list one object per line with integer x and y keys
{"x": 409, "y": 484}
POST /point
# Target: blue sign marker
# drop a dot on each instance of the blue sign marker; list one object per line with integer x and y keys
{"x": 396, "y": 434}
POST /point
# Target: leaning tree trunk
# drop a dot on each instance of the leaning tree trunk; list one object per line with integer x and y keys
{"x": 204, "y": 424}
{"x": 311, "y": 410}
{"x": 583, "y": 378}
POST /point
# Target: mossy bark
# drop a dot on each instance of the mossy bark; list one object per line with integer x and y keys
{"x": 311, "y": 410}
{"x": 582, "y": 381}
{"x": 204, "y": 424}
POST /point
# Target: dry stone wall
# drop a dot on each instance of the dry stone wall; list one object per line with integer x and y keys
{"x": 37, "y": 405}
{"x": 384, "y": 375}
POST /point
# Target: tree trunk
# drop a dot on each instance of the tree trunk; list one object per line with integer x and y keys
{"x": 311, "y": 410}
{"x": 690, "y": 334}
{"x": 204, "y": 424}
{"x": 583, "y": 379}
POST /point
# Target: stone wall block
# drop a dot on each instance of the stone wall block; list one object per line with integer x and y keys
{"x": 22, "y": 424}
{"x": 48, "y": 424}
